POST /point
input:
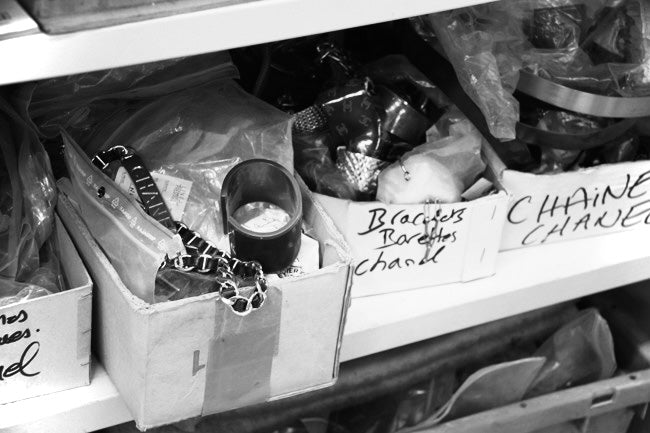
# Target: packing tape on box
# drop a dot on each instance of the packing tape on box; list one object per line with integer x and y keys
{"x": 240, "y": 359}
{"x": 582, "y": 102}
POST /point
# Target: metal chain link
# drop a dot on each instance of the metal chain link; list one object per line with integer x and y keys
{"x": 204, "y": 257}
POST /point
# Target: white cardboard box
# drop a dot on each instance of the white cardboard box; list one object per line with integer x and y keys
{"x": 389, "y": 254}
{"x": 587, "y": 202}
{"x": 45, "y": 342}
{"x": 173, "y": 360}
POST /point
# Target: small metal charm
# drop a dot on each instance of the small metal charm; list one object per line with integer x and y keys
{"x": 407, "y": 174}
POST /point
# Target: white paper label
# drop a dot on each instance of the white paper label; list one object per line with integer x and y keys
{"x": 550, "y": 208}
{"x": 175, "y": 191}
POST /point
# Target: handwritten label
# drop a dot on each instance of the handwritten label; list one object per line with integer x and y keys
{"x": 22, "y": 365}
{"x": 394, "y": 237}
{"x": 571, "y": 205}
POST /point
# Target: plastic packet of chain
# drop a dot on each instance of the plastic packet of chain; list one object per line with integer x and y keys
{"x": 134, "y": 242}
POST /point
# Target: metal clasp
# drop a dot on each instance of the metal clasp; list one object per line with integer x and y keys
{"x": 430, "y": 240}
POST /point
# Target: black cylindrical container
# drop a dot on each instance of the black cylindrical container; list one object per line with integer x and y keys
{"x": 262, "y": 180}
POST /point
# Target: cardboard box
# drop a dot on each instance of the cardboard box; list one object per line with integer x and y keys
{"x": 588, "y": 202}
{"x": 45, "y": 342}
{"x": 192, "y": 357}
{"x": 388, "y": 248}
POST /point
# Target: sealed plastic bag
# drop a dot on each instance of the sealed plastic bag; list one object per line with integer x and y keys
{"x": 29, "y": 266}
{"x": 580, "y": 352}
{"x": 135, "y": 243}
{"x": 439, "y": 170}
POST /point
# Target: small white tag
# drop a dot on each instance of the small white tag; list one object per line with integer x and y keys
{"x": 175, "y": 191}
{"x": 306, "y": 262}
{"x": 480, "y": 188}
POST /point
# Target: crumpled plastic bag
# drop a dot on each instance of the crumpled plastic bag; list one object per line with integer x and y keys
{"x": 28, "y": 250}
{"x": 580, "y": 352}
{"x": 22, "y": 292}
{"x": 396, "y": 72}
{"x": 599, "y": 46}
{"x": 195, "y": 137}
{"x": 439, "y": 170}
{"x": 484, "y": 44}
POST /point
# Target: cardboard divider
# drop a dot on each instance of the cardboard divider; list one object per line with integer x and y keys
{"x": 46, "y": 341}
{"x": 161, "y": 357}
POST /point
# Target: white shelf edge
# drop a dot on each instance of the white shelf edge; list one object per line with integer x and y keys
{"x": 526, "y": 279}
{"x": 31, "y": 57}
{"x": 77, "y": 410}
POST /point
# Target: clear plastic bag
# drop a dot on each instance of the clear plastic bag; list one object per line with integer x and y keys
{"x": 28, "y": 250}
{"x": 12, "y": 292}
{"x": 81, "y": 103}
{"x": 439, "y": 170}
{"x": 195, "y": 137}
{"x": 484, "y": 44}
{"x": 135, "y": 243}
{"x": 395, "y": 71}
{"x": 622, "y": 40}
{"x": 597, "y": 46}
{"x": 580, "y": 352}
